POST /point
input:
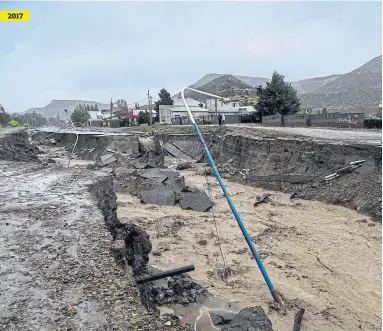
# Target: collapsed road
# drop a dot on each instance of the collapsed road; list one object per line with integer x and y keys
{"x": 66, "y": 242}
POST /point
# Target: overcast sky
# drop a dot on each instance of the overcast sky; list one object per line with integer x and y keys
{"x": 95, "y": 51}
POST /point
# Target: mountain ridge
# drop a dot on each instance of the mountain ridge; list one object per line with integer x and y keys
{"x": 53, "y": 108}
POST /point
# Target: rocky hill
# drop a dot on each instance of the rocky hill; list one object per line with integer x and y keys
{"x": 302, "y": 86}
{"x": 358, "y": 90}
{"x": 227, "y": 86}
{"x": 57, "y": 106}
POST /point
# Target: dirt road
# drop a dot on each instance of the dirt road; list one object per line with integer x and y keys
{"x": 324, "y": 258}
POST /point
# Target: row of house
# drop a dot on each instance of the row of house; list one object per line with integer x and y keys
{"x": 202, "y": 112}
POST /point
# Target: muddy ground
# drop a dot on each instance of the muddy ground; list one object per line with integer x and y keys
{"x": 64, "y": 252}
{"x": 57, "y": 269}
{"x": 326, "y": 259}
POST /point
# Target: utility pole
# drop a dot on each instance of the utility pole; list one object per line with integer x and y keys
{"x": 111, "y": 112}
{"x": 150, "y": 108}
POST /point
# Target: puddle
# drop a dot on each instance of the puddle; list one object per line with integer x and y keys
{"x": 198, "y": 315}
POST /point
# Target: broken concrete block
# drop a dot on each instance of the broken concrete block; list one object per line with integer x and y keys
{"x": 159, "y": 196}
{"x": 107, "y": 159}
{"x": 220, "y": 317}
{"x": 198, "y": 201}
{"x": 253, "y": 318}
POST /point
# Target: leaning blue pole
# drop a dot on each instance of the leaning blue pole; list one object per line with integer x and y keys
{"x": 228, "y": 198}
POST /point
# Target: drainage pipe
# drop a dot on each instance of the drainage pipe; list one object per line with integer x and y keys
{"x": 164, "y": 274}
{"x": 226, "y": 193}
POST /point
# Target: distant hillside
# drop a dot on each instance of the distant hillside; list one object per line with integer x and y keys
{"x": 302, "y": 86}
{"x": 56, "y": 106}
{"x": 226, "y": 86}
{"x": 311, "y": 84}
{"x": 358, "y": 90}
{"x": 252, "y": 81}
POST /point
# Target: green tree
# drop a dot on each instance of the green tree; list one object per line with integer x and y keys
{"x": 143, "y": 117}
{"x": 80, "y": 114}
{"x": 277, "y": 97}
{"x": 165, "y": 99}
{"x": 122, "y": 104}
{"x": 3, "y": 117}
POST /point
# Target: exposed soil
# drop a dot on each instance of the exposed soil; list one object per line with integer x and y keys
{"x": 297, "y": 165}
{"x": 58, "y": 259}
{"x": 326, "y": 259}
{"x": 15, "y": 146}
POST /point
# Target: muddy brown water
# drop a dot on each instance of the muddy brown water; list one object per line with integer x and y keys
{"x": 324, "y": 258}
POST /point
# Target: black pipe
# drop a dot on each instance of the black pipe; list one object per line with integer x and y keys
{"x": 164, "y": 274}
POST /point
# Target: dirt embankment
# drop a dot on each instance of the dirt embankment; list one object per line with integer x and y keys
{"x": 298, "y": 165}
{"x": 16, "y": 147}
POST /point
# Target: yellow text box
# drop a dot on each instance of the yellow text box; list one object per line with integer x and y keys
{"x": 15, "y": 15}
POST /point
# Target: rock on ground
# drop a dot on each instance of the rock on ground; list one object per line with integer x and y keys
{"x": 250, "y": 319}
{"x": 198, "y": 201}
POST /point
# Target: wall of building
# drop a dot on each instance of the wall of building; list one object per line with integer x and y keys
{"x": 222, "y": 107}
{"x": 350, "y": 120}
{"x": 296, "y": 120}
{"x": 272, "y": 120}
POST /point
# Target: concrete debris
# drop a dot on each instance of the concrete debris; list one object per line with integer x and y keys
{"x": 174, "y": 151}
{"x": 107, "y": 159}
{"x": 162, "y": 195}
{"x": 157, "y": 172}
{"x": 220, "y": 317}
{"x": 198, "y": 201}
{"x": 254, "y": 319}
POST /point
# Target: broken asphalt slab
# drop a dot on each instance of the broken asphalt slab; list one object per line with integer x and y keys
{"x": 254, "y": 319}
{"x": 162, "y": 195}
{"x": 198, "y": 201}
{"x": 176, "y": 152}
{"x": 221, "y": 317}
{"x": 157, "y": 172}
{"x": 176, "y": 183}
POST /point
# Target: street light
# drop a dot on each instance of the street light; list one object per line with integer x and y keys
{"x": 226, "y": 193}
